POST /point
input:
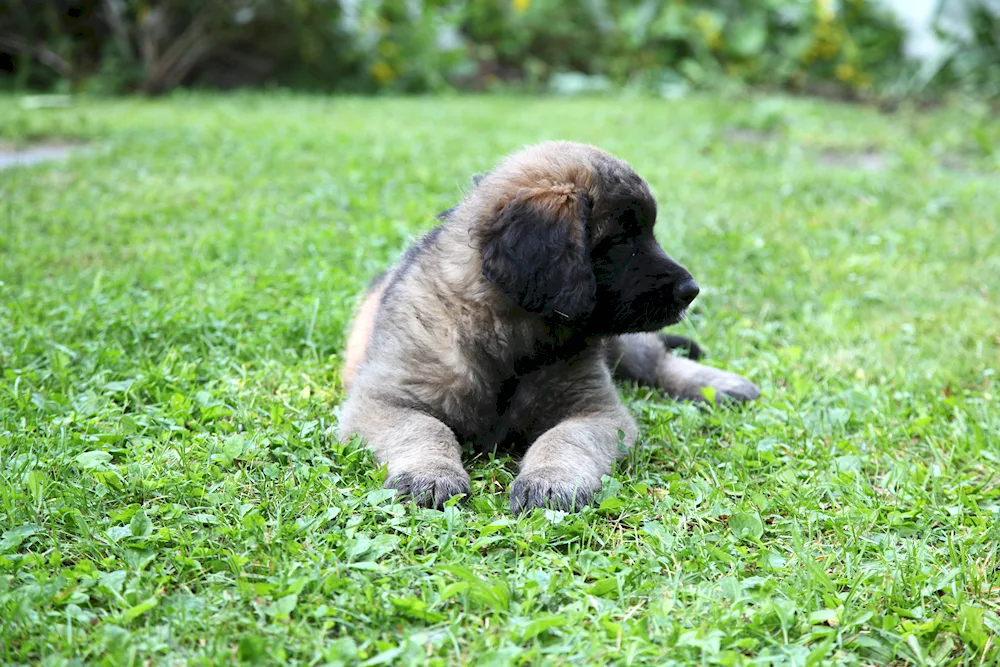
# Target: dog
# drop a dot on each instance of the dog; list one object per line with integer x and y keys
{"x": 506, "y": 324}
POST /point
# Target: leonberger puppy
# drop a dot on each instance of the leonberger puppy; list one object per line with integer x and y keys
{"x": 506, "y": 324}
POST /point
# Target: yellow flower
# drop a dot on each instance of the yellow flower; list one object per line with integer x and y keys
{"x": 382, "y": 72}
{"x": 521, "y": 5}
{"x": 709, "y": 28}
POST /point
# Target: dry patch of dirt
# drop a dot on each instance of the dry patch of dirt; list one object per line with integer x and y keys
{"x": 739, "y": 135}
{"x": 868, "y": 159}
{"x": 15, "y": 155}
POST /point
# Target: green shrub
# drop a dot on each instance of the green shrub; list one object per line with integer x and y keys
{"x": 661, "y": 46}
{"x": 789, "y": 43}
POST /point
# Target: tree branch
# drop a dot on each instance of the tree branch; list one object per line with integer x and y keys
{"x": 42, "y": 53}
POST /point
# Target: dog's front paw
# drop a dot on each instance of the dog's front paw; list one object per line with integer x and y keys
{"x": 430, "y": 486}
{"x": 551, "y": 489}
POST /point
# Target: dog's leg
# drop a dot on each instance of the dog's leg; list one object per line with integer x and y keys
{"x": 563, "y": 469}
{"x": 423, "y": 457}
{"x": 691, "y": 349}
{"x": 591, "y": 430}
{"x": 643, "y": 358}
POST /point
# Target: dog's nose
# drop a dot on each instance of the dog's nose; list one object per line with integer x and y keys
{"x": 686, "y": 291}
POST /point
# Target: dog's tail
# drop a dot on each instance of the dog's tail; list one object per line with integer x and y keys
{"x": 692, "y": 350}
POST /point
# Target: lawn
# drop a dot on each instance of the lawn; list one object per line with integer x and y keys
{"x": 174, "y": 300}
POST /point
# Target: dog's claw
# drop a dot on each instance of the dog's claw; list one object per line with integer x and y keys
{"x": 729, "y": 387}
{"x": 539, "y": 490}
{"x": 429, "y": 489}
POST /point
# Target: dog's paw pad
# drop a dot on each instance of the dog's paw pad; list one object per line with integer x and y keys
{"x": 429, "y": 489}
{"x": 541, "y": 490}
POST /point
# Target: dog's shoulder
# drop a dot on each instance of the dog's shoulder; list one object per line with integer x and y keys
{"x": 411, "y": 257}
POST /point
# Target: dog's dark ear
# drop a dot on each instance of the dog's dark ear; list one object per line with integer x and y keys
{"x": 536, "y": 253}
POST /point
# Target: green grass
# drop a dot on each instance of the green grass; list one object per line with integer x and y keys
{"x": 173, "y": 308}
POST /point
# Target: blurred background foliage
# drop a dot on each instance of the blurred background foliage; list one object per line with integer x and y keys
{"x": 849, "y": 48}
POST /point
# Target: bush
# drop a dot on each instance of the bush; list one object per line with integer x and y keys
{"x": 793, "y": 43}
{"x": 850, "y": 46}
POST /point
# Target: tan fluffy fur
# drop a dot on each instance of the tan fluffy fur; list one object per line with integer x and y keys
{"x": 361, "y": 332}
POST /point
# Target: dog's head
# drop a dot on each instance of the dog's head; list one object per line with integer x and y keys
{"x": 565, "y": 230}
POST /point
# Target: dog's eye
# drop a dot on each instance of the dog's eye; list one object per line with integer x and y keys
{"x": 611, "y": 241}
{"x": 629, "y": 220}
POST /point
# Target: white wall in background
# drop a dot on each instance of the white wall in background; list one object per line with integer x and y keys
{"x": 917, "y": 18}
